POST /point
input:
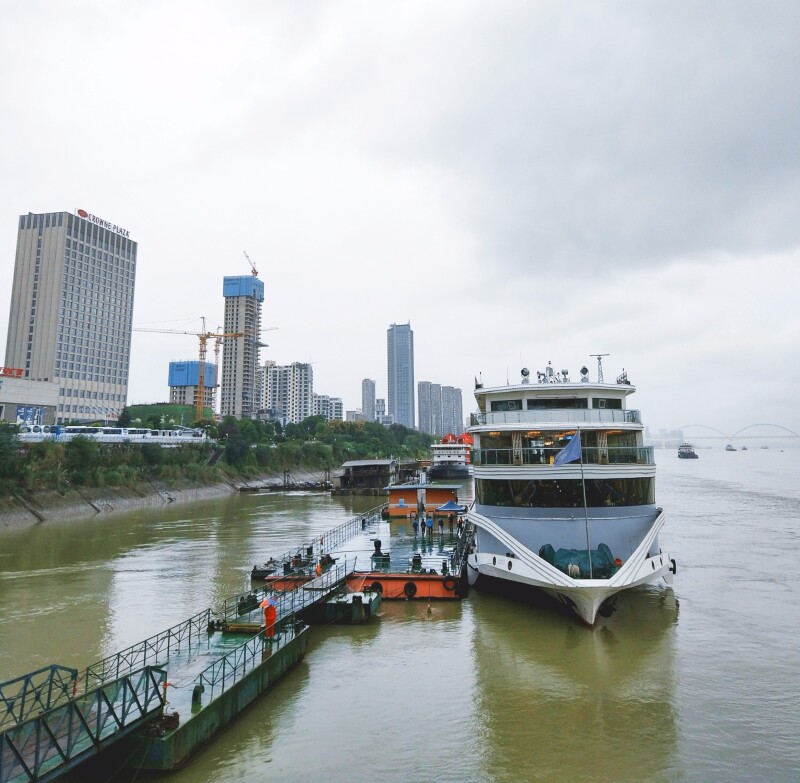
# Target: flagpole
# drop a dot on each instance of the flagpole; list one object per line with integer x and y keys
{"x": 585, "y": 510}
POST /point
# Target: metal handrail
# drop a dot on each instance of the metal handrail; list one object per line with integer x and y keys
{"x": 230, "y": 668}
{"x": 302, "y": 556}
{"x": 45, "y": 746}
{"x": 571, "y": 415}
{"x": 35, "y": 691}
{"x": 154, "y": 650}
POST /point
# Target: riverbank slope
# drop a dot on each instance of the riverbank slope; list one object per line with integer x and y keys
{"x": 41, "y": 506}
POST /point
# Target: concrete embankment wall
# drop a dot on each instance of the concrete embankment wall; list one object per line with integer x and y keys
{"x": 77, "y": 503}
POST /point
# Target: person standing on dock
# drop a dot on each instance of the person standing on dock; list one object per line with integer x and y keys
{"x": 441, "y": 526}
{"x": 415, "y": 525}
{"x": 450, "y": 521}
{"x": 270, "y": 607}
{"x": 429, "y": 525}
{"x": 460, "y": 526}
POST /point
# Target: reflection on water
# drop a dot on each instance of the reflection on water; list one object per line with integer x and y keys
{"x": 566, "y": 703}
{"x": 488, "y": 689}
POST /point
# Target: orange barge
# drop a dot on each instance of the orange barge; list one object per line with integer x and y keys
{"x": 420, "y": 586}
{"x": 391, "y": 586}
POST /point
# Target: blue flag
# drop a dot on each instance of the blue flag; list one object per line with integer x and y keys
{"x": 570, "y": 452}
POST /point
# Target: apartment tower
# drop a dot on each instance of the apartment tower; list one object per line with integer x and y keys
{"x": 72, "y": 309}
{"x": 368, "y": 399}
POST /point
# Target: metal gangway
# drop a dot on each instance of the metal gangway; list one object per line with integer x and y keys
{"x": 48, "y": 727}
{"x": 230, "y": 668}
{"x": 302, "y": 557}
{"x": 53, "y": 719}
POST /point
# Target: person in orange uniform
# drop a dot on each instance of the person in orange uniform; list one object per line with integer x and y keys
{"x": 269, "y": 605}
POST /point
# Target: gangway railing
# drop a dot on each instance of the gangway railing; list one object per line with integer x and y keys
{"x": 290, "y": 601}
{"x": 227, "y": 670}
{"x": 34, "y": 692}
{"x": 44, "y": 747}
{"x": 303, "y": 556}
{"x": 153, "y": 651}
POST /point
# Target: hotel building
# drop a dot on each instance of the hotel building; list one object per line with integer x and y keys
{"x": 72, "y": 309}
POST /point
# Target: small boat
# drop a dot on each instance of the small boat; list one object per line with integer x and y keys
{"x": 565, "y": 492}
{"x": 729, "y": 448}
{"x": 686, "y": 451}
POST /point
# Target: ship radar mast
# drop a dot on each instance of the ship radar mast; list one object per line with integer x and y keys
{"x": 599, "y": 357}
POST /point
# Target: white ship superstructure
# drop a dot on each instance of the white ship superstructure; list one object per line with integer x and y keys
{"x": 565, "y": 490}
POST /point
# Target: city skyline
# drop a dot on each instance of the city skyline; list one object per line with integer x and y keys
{"x": 540, "y": 182}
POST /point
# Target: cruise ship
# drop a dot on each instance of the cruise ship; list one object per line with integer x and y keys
{"x": 450, "y": 458}
{"x": 565, "y": 491}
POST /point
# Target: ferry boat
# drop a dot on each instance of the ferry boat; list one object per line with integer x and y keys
{"x": 686, "y": 451}
{"x": 565, "y": 491}
{"x": 450, "y": 458}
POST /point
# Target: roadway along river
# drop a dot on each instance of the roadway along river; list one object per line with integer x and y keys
{"x": 702, "y": 684}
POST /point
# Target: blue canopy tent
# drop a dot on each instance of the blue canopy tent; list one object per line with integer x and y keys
{"x": 451, "y": 506}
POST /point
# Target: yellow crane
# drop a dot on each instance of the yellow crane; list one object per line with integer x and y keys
{"x": 204, "y": 337}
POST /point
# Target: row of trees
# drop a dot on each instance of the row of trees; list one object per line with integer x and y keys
{"x": 244, "y": 447}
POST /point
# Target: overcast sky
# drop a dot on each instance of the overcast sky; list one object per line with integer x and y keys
{"x": 522, "y": 181}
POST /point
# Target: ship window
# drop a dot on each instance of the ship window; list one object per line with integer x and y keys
{"x": 537, "y": 403}
{"x": 566, "y": 493}
{"x": 506, "y": 405}
{"x": 605, "y": 402}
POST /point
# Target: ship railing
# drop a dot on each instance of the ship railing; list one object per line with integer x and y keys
{"x": 608, "y": 455}
{"x": 571, "y": 415}
{"x": 303, "y": 558}
{"x": 463, "y": 547}
{"x": 153, "y": 651}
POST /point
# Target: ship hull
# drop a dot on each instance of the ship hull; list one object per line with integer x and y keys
{"x": 501, "y": 556}
{"x": 441, "y": 472}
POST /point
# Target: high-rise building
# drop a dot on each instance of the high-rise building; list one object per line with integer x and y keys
{"x": 400, "y": 359}
{"x": 439, "y": 409}
{"x": 429, "y": 403}
{"x": 368, "y": 399}
{"x": 239, "y": 393}
{"x": 380, "y": 413}
{"x": 72, "y": 309}
{"x": 452, "y": 417}
{"x": 184, "y": 383}
{"x": 332, "y": 408}
{"x": 289, "y": 391}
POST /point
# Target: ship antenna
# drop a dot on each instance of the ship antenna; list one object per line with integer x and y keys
{"x": 599, "y": 365}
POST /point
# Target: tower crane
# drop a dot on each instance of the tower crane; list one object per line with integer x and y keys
{"x": 252, "y": 265}
{"x": 204, "y": 336}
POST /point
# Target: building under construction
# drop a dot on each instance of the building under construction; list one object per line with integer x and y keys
{"x": 239, "y": 392}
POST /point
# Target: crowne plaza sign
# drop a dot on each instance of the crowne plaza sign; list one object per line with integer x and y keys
{"x": 123, "y": 232}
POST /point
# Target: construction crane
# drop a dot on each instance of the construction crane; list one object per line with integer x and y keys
{"x": 252, "y": 265}
{"x": 204, "y": 337}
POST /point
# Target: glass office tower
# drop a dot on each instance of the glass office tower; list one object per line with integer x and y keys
{"x": 400, "y": 355}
